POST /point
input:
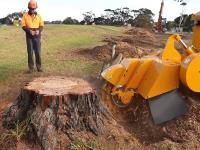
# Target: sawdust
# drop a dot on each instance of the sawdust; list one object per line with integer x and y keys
{"x": 142, "y": 33}
{"x": 180, "y": 133}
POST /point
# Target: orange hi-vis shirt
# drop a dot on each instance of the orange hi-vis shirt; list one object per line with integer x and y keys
{"x": 32, "y": 21}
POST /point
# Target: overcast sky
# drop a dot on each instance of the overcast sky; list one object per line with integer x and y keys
{"x": 60, "y": 9}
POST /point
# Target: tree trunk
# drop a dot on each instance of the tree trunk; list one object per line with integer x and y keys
{"x": 60, "y": 109}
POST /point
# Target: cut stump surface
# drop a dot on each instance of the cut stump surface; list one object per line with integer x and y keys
{"x": 58, "y": 86}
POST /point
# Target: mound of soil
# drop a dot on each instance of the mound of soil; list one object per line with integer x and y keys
{"x": 104, "y": 52}
{"x": 137, "y": 43}
{"x": 142, "y": 33}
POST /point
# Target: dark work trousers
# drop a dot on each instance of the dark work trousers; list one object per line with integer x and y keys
{"x": 34, "y": 44}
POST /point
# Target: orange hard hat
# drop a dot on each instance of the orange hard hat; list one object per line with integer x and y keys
{"x": 32, "y": 4}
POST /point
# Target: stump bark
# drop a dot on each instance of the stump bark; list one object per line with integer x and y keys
{"x": 60, "y": 110}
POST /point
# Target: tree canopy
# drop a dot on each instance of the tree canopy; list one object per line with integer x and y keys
{"x": 11, "y": 17}
{"x": 70, "y": 20}
{"x": 122, "y": 16}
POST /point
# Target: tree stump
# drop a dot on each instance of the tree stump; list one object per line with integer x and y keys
{"x": 60, "y": 109}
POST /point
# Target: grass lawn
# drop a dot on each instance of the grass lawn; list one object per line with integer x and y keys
{"x": 58, "y": 43}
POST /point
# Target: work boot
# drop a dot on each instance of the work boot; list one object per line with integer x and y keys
{"x": 39, "y": 70}
{"x": 30, "y": 71}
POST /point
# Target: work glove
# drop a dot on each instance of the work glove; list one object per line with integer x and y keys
{"x": 37, "y": 32}
{"x": 33, "y": 33}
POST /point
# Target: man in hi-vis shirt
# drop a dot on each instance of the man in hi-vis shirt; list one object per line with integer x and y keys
{"x": 33, "y": 24}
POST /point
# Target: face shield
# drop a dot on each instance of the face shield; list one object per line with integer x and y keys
{"x": 32, "y": 10}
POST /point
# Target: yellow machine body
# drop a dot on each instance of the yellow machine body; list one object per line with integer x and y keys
{"x": 149, "y": 77}
{"x": 190, "y": 66}
{"x": 139, "y": 73}
{"x": 196, "y": 38}
{"x": 196, "y": 32}
{"x": 153, "y": 76}
{"x": 190, "y": 72}
{"x": 130, "y": 65}
{"x": 113, "y": 73}
{"x": 162, "y": 77}
{"x": 170, "y": 53}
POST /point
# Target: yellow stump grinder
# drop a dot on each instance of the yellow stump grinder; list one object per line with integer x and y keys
{"x": 157, "y": 79}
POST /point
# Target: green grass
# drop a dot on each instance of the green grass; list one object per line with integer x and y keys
{"x": 56, "y": 39}
{"x": 16, "y": 134}
{"x": 82, "y": 144}
{"x": 58, "y": 44}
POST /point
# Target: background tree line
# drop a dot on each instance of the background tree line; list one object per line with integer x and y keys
{"x": 122, "y": 16}
{"x": 118, "y": 17}
{"x": 186, "y": 24}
